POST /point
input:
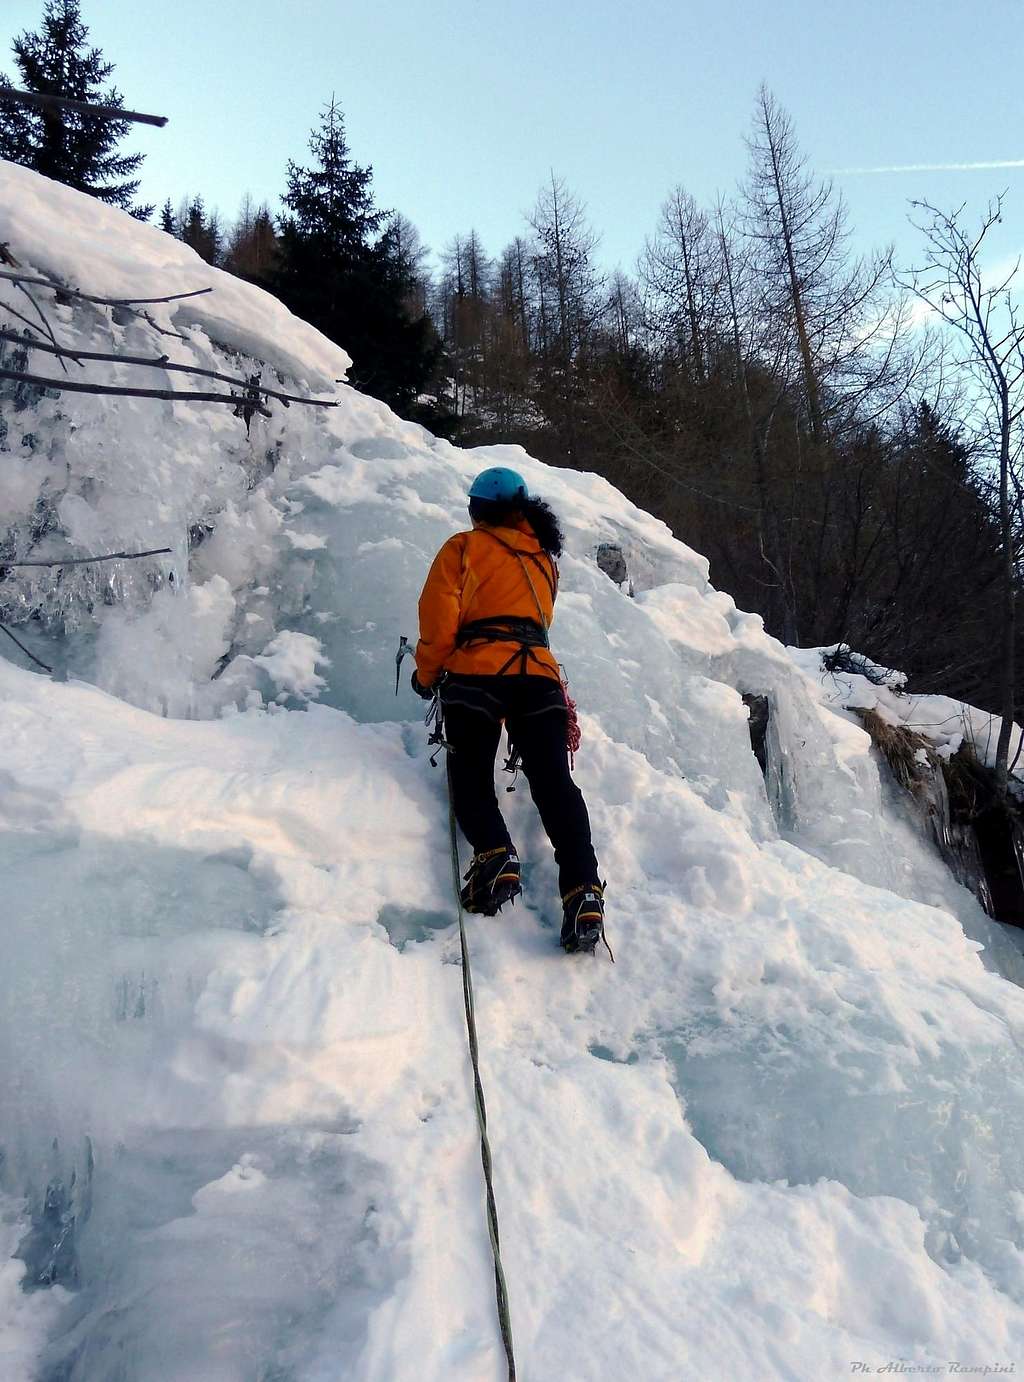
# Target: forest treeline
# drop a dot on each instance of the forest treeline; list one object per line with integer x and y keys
{"x": 767, "y": 391}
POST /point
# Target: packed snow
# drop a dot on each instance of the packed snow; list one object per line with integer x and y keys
{"x": 46, "y": 226}
{"x": 781, "y": 1136}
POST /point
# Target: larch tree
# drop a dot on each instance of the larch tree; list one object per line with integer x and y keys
{"x": 251, "y": 246}
{"x": 513, "y": 290}
{"x": 681, "y": 272}
{"x": 830, "y": 330}
{"x": 569, "y": 302}
{"x": 757, "y": 372}
{"x": 508, "y": 360}
{"x": 844, "y": 327}
{"x": 465, "y": 308}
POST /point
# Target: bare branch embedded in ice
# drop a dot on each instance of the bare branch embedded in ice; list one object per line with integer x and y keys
{"x": 84, "y": 561}
{"x": 43, "y": 318}
{"x": 240, "y": 401}
{"x": 63, "y": 291}
{"x": 163, "y": 330}
{"x": 162, "y": 362}
{"x": 31, "y": 656}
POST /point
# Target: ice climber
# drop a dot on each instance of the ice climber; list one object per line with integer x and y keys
{"x": 484, "y": 616}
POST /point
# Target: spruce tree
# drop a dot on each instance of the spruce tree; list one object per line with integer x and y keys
{"x": 341, "y": 267}
{"x": 168, "y": 220}
{"x": 68, "y": 146}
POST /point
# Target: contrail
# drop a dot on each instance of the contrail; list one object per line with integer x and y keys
{"x": 934, "y": 167}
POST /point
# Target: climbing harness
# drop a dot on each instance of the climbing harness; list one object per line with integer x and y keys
{"x": 505, "y": 628}
{"x": 529, "y": 635}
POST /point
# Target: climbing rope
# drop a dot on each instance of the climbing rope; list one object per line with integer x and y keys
{"x": 500, "y": 1289}
{"x": 435, "y": 723}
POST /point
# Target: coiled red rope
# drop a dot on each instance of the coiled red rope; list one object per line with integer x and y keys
{"x": 573, "y": 733}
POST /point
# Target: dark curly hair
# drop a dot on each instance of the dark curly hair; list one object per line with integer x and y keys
{"x": 537, "y": 513}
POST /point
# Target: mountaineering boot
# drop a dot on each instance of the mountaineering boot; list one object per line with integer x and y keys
{"x": 491, "y": 881}
{"x": 583, "y": 919}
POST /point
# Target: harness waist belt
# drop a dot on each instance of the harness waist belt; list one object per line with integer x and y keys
{"x": 503, "y": 629}
{"x": 526, "y": 634}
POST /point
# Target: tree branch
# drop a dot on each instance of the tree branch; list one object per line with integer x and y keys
{"x": 60, "y": 288}
{"x": 22, "y": 318}
{"x": 42, "y": 317}
{"x": 163, "y": 330}
{"x": 161, "y": 362}
{"x": 31, "y": 656}
{"x": 33, "y": 98}
{"x": 171, "y": 395}
{"x": 84, "y": 561}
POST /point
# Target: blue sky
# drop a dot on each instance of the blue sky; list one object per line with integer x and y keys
{"x": 462, "y": 106}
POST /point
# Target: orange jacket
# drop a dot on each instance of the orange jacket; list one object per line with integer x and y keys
{"x": 475, "y": 576}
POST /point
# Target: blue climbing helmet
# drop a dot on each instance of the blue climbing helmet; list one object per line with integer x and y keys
{"x": 499, "y": 485}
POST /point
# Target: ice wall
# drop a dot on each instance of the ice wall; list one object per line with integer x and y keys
{"x": 238, "y": 1139}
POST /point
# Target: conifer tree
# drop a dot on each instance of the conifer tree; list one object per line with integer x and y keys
{"x": 168, "y": 220}
{"x": 200, "y": 230}
{"x": 68, "y": 146}
{"x": 342, "y": 268}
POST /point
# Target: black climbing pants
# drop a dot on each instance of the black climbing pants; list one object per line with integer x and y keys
{"x": 535, "y": 715}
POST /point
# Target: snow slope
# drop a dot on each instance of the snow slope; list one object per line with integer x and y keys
{"x": 784, "y": 1133}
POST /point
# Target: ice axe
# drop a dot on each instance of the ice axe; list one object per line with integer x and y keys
{"x": 403, "y": 648}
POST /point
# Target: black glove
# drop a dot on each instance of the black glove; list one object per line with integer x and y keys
{"x": 422, "y": 691}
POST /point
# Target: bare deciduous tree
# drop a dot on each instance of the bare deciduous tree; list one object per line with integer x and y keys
{"x": 569, "y": 300}
{"x": 464, "y": 302}
{"x": 846, "y": 328}
{"x": 252, "y": 243}
{"x": 681, "y": 270}
{"x": 759, "y": 415}
{"x": 988, "y": 317}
